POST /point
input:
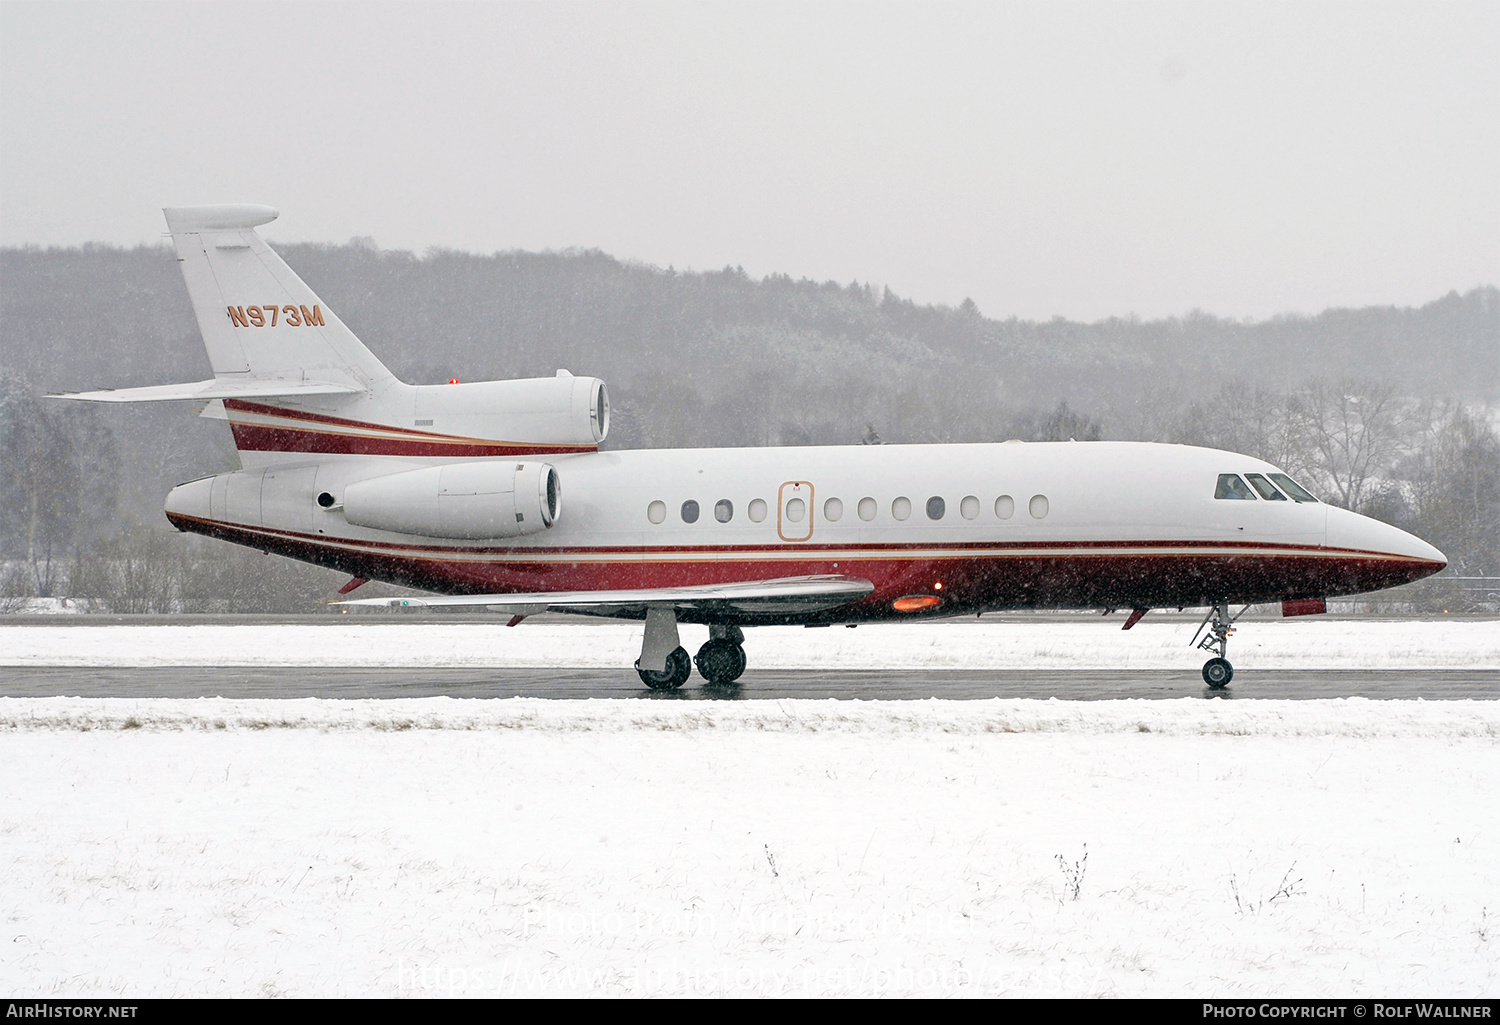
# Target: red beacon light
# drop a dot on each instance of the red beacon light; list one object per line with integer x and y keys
{"x": 452, "y": 380}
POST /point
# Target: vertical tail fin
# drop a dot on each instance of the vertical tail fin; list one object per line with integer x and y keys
{"x": 259, "y": 320}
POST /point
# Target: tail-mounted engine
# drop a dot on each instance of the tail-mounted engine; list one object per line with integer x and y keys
{"x": 566, "y": 411}
{"x": 469, "y": 500}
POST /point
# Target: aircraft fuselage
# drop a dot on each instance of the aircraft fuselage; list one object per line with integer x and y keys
{"x": 972, "y": 527}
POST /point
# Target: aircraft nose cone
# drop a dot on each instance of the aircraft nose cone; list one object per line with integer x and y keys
{"x": 1372, "y": 554}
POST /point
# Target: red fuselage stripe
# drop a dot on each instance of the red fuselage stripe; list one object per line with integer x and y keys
{"x": 321, "y": 436}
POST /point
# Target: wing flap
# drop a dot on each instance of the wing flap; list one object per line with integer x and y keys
{"x": 212, "y": 389}
{"x": 784, "y": 595}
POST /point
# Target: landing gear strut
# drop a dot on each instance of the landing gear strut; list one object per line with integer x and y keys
{"x": 1217, "y": 672}
{"x": 722, "y": 659}
{"x": 664, "y": 663}
{"x": 679, "y": 667}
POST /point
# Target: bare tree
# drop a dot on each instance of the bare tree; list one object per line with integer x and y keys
{"x": 57, "y": 480}
{"x": 1241, "y": 417}
{"x": 1454, "y": 483}
{"x": 1346, "y": 433}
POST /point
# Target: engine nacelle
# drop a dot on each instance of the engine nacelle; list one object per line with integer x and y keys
{"x": 562, "y": 410}
{"x": 472, "y": 501}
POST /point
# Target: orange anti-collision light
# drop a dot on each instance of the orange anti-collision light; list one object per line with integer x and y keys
{"x": 452, "y": 380}
{"x": 915, "y": 602}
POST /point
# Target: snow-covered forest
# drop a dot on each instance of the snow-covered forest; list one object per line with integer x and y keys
{"x": 1391, "y": 412}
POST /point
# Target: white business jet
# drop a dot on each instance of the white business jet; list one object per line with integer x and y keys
{"x": 495, "y": 495}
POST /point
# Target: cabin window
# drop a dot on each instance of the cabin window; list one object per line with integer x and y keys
{"x": 1005, "y": 507}
{"x": 1264, "y": 489}
{"x": 936, "y": 507}
{"x": 795, "y": 510}
{"x": 1230, "y": 486}
{"x": 901, "y": 508}
{"x": 867, "y": 509}
{"x": 1038, "y": 506}
{"x": 656, "y": 512}
{"x": 690, "y": 511}
{"x": 969, "y": 507}
{"x": 1291, "y": 487}
{"x": 757, "y": 510}
{"x": 723, "y": 510}
{"x": 833, "y": 510}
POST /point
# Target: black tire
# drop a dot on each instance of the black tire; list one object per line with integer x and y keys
{"x": 721, "y": 662}
{"x": 1217, "y": 672}
{"x": 679, "y": 668}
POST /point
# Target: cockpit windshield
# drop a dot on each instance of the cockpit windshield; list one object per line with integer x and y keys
{"x": 1265, "y": 488}
{"x": 1291, "y": 487}
{"x": 1230, "y": 486}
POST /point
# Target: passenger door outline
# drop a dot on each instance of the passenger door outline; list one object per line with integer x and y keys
{"x": 794, "y": 489}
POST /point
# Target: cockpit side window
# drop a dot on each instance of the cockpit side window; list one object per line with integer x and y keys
{"x": 1291, "y": 487}
{"x": 1230, "y": 486}
{"x": 1265, "y": 488}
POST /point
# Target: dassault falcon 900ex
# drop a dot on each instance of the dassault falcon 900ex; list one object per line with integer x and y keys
{"x": 496, "y": 495}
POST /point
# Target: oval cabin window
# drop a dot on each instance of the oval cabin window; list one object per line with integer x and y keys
{"x": 1005, "y": 507}
{"x": 656, "y": 512}
{"x": 867, "y": 508}
{"x": 936, "y": 507}
{"x": 1038, "y": 506}
{"x": 690, "y": 511}
{"x": 795, "y": 510}
{"x": 901, "y": 508}
{"x": 723, "y": 510}
{"x": 969, "y": 507}
{"x": 757, "y": 510}
{"x": 833, "y": 510}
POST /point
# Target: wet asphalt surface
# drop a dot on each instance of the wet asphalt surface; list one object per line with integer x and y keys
{"x": 1067, "y": 685}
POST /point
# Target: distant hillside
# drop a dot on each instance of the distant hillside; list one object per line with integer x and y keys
{"x": 96, "y": 315}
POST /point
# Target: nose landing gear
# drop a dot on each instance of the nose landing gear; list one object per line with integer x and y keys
{"x": 1217, "y": 672}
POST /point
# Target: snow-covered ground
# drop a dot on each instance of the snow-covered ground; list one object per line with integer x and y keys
{"x": 437, "y": 846}
{"x": 424, "y": 847}
{"x": 1087, "y": 642}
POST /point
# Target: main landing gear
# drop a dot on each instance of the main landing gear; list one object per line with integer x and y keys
{"x": 664, "y": 663}
{"x": 1217, "y": 672}
{"x": 722, "y": 659}
{"x": 673, "y": 675}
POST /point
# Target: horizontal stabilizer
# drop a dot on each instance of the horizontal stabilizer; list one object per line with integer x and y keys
{"x": 788, "y": 594}
{"x": 212, "y": 389}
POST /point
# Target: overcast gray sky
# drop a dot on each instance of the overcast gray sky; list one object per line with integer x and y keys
{"x": 1081, "y": 160}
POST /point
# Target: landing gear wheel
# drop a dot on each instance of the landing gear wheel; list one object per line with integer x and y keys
{"x": 1217, "y": 672}
{"x": 721, "y": 662}
{"x": 679, "y": 668}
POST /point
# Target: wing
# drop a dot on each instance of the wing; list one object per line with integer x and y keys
{"x": 784, "y": 595}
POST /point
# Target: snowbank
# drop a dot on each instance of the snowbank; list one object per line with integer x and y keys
{"x": 1183, "y": 717}
{"x": 437, "y": 846}
{"x": 964, "y": 644}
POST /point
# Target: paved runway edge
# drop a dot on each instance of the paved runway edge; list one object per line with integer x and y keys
{"x": 569, "y": 684}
